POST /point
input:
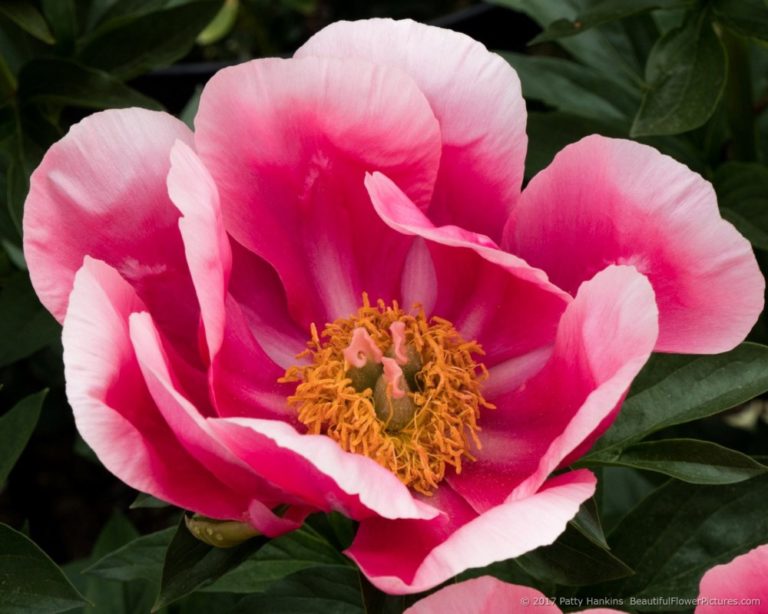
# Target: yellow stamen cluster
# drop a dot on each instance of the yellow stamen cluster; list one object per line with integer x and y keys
{"x": 446, "y": 395}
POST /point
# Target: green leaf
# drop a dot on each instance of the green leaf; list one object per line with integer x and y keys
{"x": 14, "y": 253}
{"x": 279, "y": 558}
{"x": 189, "y": 111}
{"x": 67, "y": 83}
{"x": 116, "y": 533}
{"x": 686, "y": 75}
{"x": 679, "y": 531}
{"x": 8, "y": 86}
{"x": 587, "y": 522}
{"x": 16, "y": 46}
{"x": 140, "y": 559}
{"x": 130, "y": 45}
{"x": 334, "y": 527}
{"x": 196, "y": 603}
{"x": 610, "y": 49}
{"x": 111, "y": 10}
{"x": 548, "y": 133}
{"x": 742, "y": 191}
{"x": 16, "y": 427}
{"x": 29, "y": 580}
{"x": 690, "y": 460}
{"x": 189, "y": 563}
{"x": 24, "y": 151}
{"x": 329, "y": 590}
{"x": 573, "y": 560}
{"x": 62, "y": 15}
{"x": 143, "y": 500}
{"x": 571, "y": 88}
{"x": 747, "y": 17}
{"x": 221, "y": 24}
{"x": 108, "y": 596}
{"x": 28, "y": 18}
{"x": 673, "y": 389}
{"x": 619, "y": 489}
{"x": 508, "y": 571}
{"x": 17, "y": 186}
{"x": 25, "y": 325}
{"x": 605, "y": 12}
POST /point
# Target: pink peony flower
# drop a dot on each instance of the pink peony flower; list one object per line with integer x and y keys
{"x": 736, "y": 587}
{"x": 332, "y": 296}
{"x": 487, "y": 595}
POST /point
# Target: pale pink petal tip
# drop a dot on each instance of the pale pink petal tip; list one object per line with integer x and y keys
{"x": 315, "y": 470}
{"x": 115, "y": 412}
{"x": 307, "y": 146}
{"x": 488, "y": 595}
{"x": 612, "y": 201}
{"x": 409, "y": 556}
{"x": 738, "y": 587}
{"x": 484, "y": 595}
{"x": 475, "y": 96}
{"x": 100, "y": 191}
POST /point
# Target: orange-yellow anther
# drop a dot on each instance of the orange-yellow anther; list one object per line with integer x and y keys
{"x": 418, "y": 421}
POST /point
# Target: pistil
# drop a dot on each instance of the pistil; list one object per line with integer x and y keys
{"x": 395, "y": 386}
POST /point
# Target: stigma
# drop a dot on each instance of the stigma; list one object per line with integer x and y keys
{"x": 395, "y": 386}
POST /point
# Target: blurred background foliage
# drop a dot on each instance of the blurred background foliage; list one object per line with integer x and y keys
{"x": 689, "y": 77}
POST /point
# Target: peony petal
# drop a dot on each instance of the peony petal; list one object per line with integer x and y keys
{"x": 604, "y": 201}
{"x": 113, "y": 409}
{"x": 724, "y": 588}
{"x": 193, "y": 432}
{"x": 100, "y": 191}
{"x": 483, "y": 595}
{"x": 243, "y": 377}
{"x": 314, "y": 469}
{"x": 489, "y": 295}
{"x": 410, "y": 556}
{"x": 288, "y": 143}
{"x": 257, "y": 289}
{"x": 475, "y": 96}
{"x": 488, "y": 595}
{"x": 567, "y": 404}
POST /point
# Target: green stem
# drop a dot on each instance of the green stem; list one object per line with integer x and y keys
{"x": 738, "y": 97}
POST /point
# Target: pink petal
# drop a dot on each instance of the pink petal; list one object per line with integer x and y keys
{"x": 193, "y": 432}
{"x": 314, "y": 469}
{"x": 113, "y": 409}
{"x": 100, "y": 191}
{"x": 410, "y": 556}
{"x": 257, "y": 289}
{"x": 605, "y": 337}
{"x": 288, "y": 143}
{"x": 475, "y": 96}
{"x": 243, "y": 376}
{"x": 743, "y": 578}
{"x": 489, "y": 295}
{"x": 484, "y": 595}
{"x": 488, "y": 595}
{"x": 604, "y": 201}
